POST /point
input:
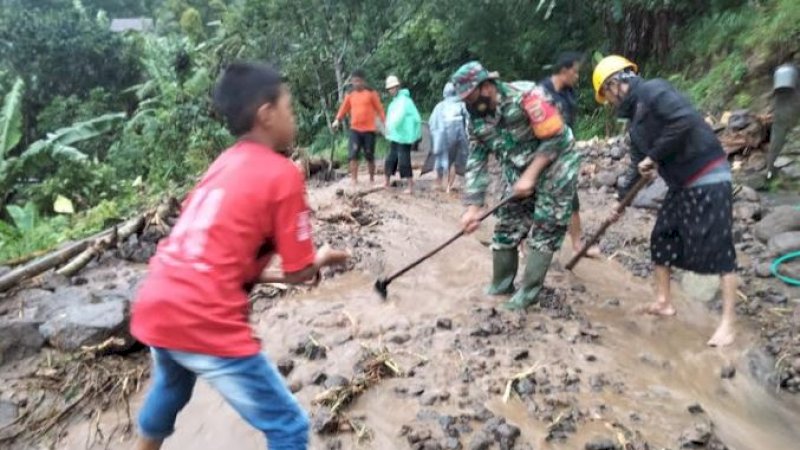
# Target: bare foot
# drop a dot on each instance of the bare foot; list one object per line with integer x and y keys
{"x": 659, "y": 309}
{"x": 724, "y": 335}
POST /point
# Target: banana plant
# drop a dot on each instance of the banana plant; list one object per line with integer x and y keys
{"x": 59, "y": 143}
{"x": 11, "y": 118}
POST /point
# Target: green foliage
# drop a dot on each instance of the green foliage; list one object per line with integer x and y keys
{"x": 11, "y": 118}
{"x": 192, "y": 24}
{"x": 59, "y": 52}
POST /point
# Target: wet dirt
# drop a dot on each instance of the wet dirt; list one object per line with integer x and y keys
{"x": 586, "y": 369}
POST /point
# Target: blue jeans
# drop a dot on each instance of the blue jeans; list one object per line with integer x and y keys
{"x": 251, "y": 385}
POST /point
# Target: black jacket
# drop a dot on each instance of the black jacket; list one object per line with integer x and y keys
{"x": 665, "y": 126}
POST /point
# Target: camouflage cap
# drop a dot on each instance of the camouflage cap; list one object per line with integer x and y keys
{"x": 469, "y": 76}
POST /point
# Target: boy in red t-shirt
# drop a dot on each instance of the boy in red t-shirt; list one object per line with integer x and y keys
{"x": 192, "y": 309}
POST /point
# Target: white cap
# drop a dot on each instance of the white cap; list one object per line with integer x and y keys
{"x": 392, "y": 82}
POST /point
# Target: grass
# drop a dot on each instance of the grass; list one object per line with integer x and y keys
{"x": 721, "y": 54}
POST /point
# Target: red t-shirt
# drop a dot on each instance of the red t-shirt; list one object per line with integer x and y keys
{"x": 249, "y": 205}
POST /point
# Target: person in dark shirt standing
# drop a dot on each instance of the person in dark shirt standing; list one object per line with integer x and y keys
{"x": 693, "y": 230}
{"x": 561, "y": 86}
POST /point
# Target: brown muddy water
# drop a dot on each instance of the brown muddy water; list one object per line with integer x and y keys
{"x": 641, "y": 372}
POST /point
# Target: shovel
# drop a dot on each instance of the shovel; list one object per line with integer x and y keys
{"x": 383, "y": 283}
{"x": 643, "y": 181}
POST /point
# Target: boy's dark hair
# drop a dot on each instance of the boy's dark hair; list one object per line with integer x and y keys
{"x": 241, "y": 90}
{"x": 358, "y": 73}
{"x": 567, "y": 60}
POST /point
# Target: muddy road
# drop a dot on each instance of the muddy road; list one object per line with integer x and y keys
{"x": 581, "y": 370}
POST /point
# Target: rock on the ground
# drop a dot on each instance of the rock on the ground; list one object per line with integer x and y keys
{"x": 285, "y": 366}
{"x": 784, "y": 243}
{"x": 781, "y": 220}
{"x": 480, "y": 441}
{"x": 700, "y": 435}
{"x": 763, "y": 269}
{"x": 728, "y": 371}
{"x": 19, "y": 339}
{"x": 651, "y": 196}
{"x": 695, "y": 408}
{"x": 700, "y": 287}
{"x": 605, "y": 178}
{"x": 600, "y": 444}
{"x": 8, "y": 413}
{"x": 334, "y": 381}
{"x": 748, "y": 194}
{"x": 747, "y": 211}
{"x": 444, "y": 323}
{"x": 87, "y": 325}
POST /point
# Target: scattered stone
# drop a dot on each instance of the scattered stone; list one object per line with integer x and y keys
{"x": 782, "y": 161}
{"x": 482, "y": 414}
{"x": 311, "y": 349}
{"x": 616, "y": 153}
{"x": 784, "y": 243}
{"x": 451, "y": 443}
{"x": 600, "y": 444}
{"x": 700, "y": 287}
{"x": 296, "y": 386}
{"x": 8, "y": 413}
{"x": 748, "y": 194}
{"x": 605, "y": 178}
{"x": 652, "y": 196}
{"x": 781, "y": 220}
{"x": 285, "y": 366}
{"x": 591, "y": 358}
{"x": 19, "y": 339}
{"x": 695, "y": 408}
{"x": 612, "y": 302}
{"x": 519, "y": 355}
{"x": 399, "y": 338}
{"x": 763, "y": 269}
{"x": 334, "y": 381}
{"x": 700, "y": 435}
{"x": 325, "y": 422}
{"x": 416, "y": 390}
{"x": 444, "y": 323}
{"x": 416, "y": 436}
{"x": 319, "y": 378}
{"x": 728, "y": 372}
{"x": 525, "y": 387}
{"x": 747, "y": 211}
{"x": 88, "y": 325}
{"x": 480, "y": 441}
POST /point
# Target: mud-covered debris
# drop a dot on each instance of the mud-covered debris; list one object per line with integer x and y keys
{"x": 325, "y": 421}
{"x": 562, "y": 426}
{"x": 728, "y": 371}
{"x": 285, "y": 366}
{"x": 373, "y": 366}
{"x": 480, "y": 441}
{"x": 701, "y": 435}
{"x": 600, "y": 443}
{"x": 399, "y": 338}
{"x": 520, "y": 354}
{"x": 318, "y": 378}
{"x": 311, "y": 348}
{"x": 444, "y": 323}
{"x": 695, "y": 408}
{"x": 335, "y": 381}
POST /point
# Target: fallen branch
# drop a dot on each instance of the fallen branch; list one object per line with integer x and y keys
{"x": 100, "y": 245}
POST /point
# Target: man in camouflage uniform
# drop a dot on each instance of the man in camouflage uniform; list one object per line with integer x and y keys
{"x": 520, "y": 126}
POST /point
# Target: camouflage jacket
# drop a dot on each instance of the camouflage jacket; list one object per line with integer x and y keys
{"x": 508, "y": 136}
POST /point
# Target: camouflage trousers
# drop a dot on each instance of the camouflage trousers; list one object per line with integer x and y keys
{"x": 544, "y": 217}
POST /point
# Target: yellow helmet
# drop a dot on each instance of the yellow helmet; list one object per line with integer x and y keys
{"x": 605, "y": 68}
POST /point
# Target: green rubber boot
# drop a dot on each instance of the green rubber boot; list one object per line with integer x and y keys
{"x": 532, "y": 281}
{"x": 504, "y": 270}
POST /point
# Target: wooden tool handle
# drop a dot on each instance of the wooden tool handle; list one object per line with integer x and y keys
{"x": 626, "y": 201}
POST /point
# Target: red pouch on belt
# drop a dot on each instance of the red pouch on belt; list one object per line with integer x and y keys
{"x": 544, "y": 117}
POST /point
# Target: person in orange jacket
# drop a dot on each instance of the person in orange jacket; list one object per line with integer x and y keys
{"x": 364, "y": 107}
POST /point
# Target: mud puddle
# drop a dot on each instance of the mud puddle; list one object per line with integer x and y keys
{"x": 594, "y": 370}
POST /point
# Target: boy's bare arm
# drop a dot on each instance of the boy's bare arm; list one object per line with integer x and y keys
{"x": 326, "y": 256}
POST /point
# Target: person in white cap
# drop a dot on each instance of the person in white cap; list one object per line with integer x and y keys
{"x": 403, "y": 129}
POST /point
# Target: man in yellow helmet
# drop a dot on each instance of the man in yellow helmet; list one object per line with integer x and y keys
{"x": 693, "y": 230}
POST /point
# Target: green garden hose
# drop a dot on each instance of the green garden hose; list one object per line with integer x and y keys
{"x": 777, "y": 262}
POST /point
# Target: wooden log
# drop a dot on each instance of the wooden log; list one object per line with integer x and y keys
{"x": 100, "y": 245}
{"x": 56, "y": 258}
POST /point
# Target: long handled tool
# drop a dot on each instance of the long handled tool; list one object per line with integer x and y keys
{"x": 626, "y": 201}
{"x": 383, "y": 283}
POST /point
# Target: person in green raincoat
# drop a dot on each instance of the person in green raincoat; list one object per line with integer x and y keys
{"x": 403, "y": 129}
